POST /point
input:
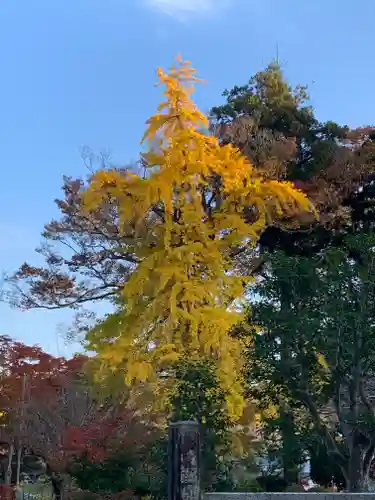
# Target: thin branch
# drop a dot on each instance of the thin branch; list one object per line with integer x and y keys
{"x": 365, "y": 399}
{"x": 368, "y": 458}
{"x": 322, "y": 428}
{"x": 88, "y": 296}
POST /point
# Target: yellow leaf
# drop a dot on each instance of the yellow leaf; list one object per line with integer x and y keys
{"x": 322, "y": 361}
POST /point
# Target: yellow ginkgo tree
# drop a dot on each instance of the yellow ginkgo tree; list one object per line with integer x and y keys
{"x": 199, "y": 204}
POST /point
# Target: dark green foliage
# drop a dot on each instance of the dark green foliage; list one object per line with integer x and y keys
{"x": 198, "y": 396}
{"x": 90, "y": 495}
{"x": 270, "y": 101}
{"x": 311, "y": 309}
{"x": 319, "y": 489}
{"x": 294, "y": 488}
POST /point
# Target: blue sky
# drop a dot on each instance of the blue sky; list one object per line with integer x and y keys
{"x": 82, "y": 73}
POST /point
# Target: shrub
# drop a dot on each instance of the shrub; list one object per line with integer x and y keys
{"x": 295, "y": 488}
{"x": 320, "y": 489}
{"x": 272, "y": 483}
{"x": 90, "y": 495}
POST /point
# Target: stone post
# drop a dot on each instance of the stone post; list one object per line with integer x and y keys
{"x": 184, "y": 461}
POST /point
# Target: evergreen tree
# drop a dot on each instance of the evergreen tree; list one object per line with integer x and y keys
{"x": 315, "y": 348}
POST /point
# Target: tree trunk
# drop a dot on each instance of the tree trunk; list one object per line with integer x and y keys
{"x": 355, "y": 473}
{"x": 290, "y": 452}
{"x": 8, "y": 474}
{"x": 358, "y": 470}
{"x": 57, "y": 482}
{"x": 289, "y": 449}
{"x": 368, "y": 459}
{"x": 57, "y": 488}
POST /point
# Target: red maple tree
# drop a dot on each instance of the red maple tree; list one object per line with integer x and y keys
{"x": 50, "y": 410}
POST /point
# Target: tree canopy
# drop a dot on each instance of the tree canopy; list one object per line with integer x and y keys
{"x": 238, "y": 266}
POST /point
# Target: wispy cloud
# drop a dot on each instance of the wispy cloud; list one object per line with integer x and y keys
{"x": 183, "y": 9}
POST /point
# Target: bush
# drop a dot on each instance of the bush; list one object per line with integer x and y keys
{"x": 319, "y": 489}
{"x": 295, "y": 488}
{"x": 248, "y": 486}
{"x": 143, "y": 473}
{"x": 90, "y": 495}
{"x": 82, "y": 495}
{"x": 272, "y": 484}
